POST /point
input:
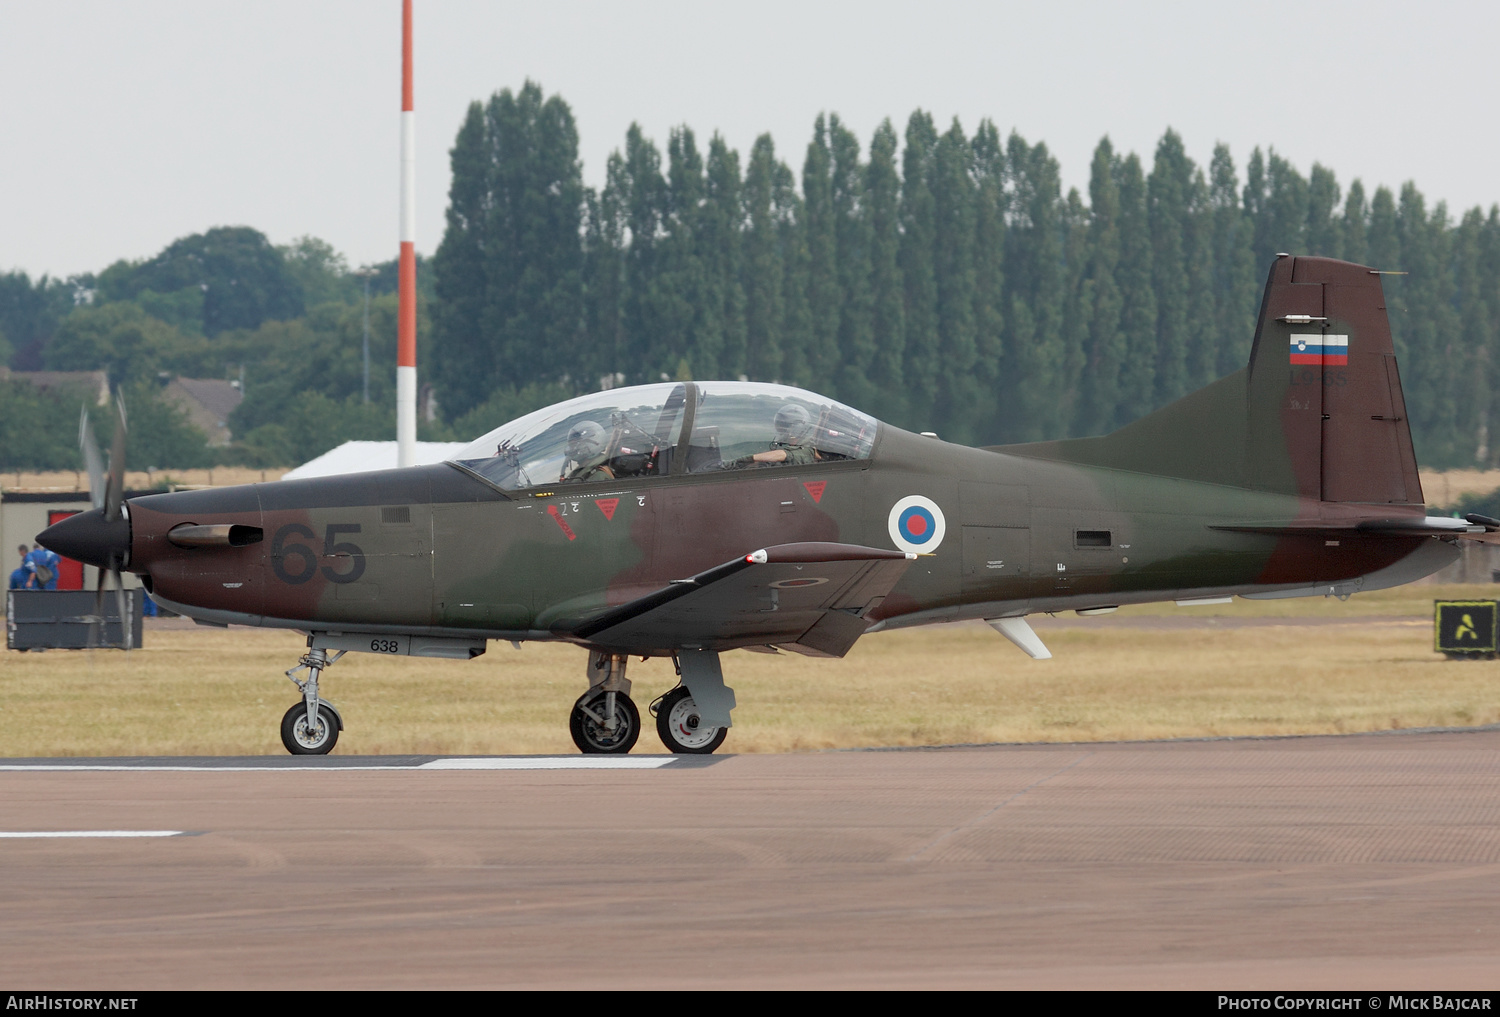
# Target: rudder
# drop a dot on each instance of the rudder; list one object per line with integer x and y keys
{"x": 1324, "y": 392}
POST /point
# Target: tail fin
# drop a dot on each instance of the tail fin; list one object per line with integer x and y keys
{"x": 1318, "y": 412}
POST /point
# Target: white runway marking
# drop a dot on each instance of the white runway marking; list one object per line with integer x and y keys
{"x": 457, "y": 763}
{"x": 552, "y": 763}
{"x": 33, "y": 834}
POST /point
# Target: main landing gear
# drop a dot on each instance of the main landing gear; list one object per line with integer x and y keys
{"x": 680, "y": 725}
{"x": 606, "y": 720}
{"x": 311, "y": 727}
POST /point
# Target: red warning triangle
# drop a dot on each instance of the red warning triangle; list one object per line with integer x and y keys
{"x": 608, "y": 506}
{"x": 815, "y": 488}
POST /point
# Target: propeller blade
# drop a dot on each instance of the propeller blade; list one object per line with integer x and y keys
{"x": 120, "y": 606}
{"x": 96, "y": 620}
{"x": 115, "y": 493}
{"x": 92, "y": 460}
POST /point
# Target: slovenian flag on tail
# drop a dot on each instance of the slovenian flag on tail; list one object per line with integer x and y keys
{"x": 1320, "y": 350}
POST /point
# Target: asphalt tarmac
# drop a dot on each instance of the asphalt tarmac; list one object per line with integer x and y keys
{"x": 1353, "y": 862}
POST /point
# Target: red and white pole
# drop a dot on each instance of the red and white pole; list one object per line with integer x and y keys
{"x": 406, "y": 281}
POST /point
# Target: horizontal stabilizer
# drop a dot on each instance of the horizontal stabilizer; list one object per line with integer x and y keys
{"x": 1402, "y": 526}
{"x": 810, "y": 597}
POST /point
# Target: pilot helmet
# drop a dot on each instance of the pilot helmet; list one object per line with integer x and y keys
{"x": 793, "y": 423}
{"x": 585, "y": 439}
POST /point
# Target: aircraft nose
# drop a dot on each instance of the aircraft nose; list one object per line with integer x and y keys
{"x": 88, "y": 538}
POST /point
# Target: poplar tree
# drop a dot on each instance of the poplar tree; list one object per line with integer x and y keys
{"x": 856, "y": 337}
{"x": 1476, "y": 340}
{"x": 643, "y": 195}
{"x": 1167, "y": 194}
{"x": 953, "y": 266}
{"x": 1354, "y": 224}
{"x": 888, "y": 311}
{"x": 721, "y": 252}
{"x": 918, "y": 273}
{"x": 990, "y": 202}
{"x": 823, "y": 294}
{"x": 765, "y": 307}
{"x": 1235, "y": 271}
{"x": 687, "y": 338}
{"x": 1100, "y": 391}
{"x": 1138, "y": 314}
{"x": 1322, "y": 204}
{"x": 1077, "y": 309}
{"x": 1203, "y": 295}
{"x": 1034, "y": 269}
{"x": 463, "y": 361}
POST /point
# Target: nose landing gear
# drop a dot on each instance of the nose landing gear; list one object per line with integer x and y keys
{"x": 605, "y": 720}
{"x": 311, "y": 727}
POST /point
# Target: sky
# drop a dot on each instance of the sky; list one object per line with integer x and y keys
{"x": 126, "y": 126}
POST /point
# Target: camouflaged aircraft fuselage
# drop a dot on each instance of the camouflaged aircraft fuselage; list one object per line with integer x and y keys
{"x": 1294, "y": 476}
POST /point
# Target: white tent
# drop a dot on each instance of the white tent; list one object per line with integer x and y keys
{"x": 360, "y": 456}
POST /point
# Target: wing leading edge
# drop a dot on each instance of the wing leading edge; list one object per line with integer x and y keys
{"x": 808, "y": 597}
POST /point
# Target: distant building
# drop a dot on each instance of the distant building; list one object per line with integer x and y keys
{"x": 96, "y": 383}
{"x": 362, "y": 456}
{"x": 207, "y": 403}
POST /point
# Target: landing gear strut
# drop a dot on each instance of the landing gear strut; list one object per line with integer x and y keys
{"x": 604, "y": 719}
{"x": 311, "y": 727}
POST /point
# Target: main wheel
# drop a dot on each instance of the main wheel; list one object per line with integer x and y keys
{"x": 680, "y": 727}
{"x": 590, "y": 729}
{"x": 300, "y": 741}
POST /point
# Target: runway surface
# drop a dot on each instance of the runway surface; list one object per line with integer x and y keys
{"x": 1339, "y": 862}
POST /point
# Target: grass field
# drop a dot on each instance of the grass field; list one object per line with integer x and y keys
{"x": 1367, "y": 665}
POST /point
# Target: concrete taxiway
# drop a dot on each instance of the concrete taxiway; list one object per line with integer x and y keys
{"x": 1348, "y": 862}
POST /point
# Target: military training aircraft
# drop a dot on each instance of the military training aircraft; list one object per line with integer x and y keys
{"x": 685, "y": 519}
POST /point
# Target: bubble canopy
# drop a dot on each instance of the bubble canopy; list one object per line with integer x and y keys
{"x": 669, "y": 429}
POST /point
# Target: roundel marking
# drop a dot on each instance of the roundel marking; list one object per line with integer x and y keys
{"x": 917, "y": 524}
{"x": 793, "y": 584}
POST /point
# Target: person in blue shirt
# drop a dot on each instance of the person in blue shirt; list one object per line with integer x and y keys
{"x": 19, "y": 579}
{"x": 41, "y": 558}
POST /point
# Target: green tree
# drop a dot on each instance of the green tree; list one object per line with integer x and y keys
{"x": 118, "y": 338}
{"x": 29, "y": 312}
{"x": 852, "y": 239}
{"x": 1100, "y": 394}
{"x": 1323, "y": 233}
{"x": 821, "y": 236}
{"x": 1235, "y": 273}
{"x": 1167, "y": 195}
{"x": 1138, "y": 314}
{"x": 1355, "y": 224}
{"x": 765, "y": 306}
{"x": 321, "y": 271}
{"x": 1035, "y": 356}
{"x": 954, "y": 201}
{"x": 918, "y": 269}
{"x": 888, "y": 310}
{"x": 722, "y": 256}
{"x": 243, "y": 279}
{"x": 990, "y": 205}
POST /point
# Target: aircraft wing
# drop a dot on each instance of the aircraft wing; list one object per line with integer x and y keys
{"x": 809, "y": 597}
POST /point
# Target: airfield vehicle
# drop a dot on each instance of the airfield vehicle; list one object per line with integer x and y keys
{"x": 685, "y": 519}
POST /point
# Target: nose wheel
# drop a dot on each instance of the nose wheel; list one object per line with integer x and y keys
{"x": 604, "y": 722}
{"x": 311, "y": 728}
{"x": 301, "y": 739}
{"x": 682, "y": 729}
